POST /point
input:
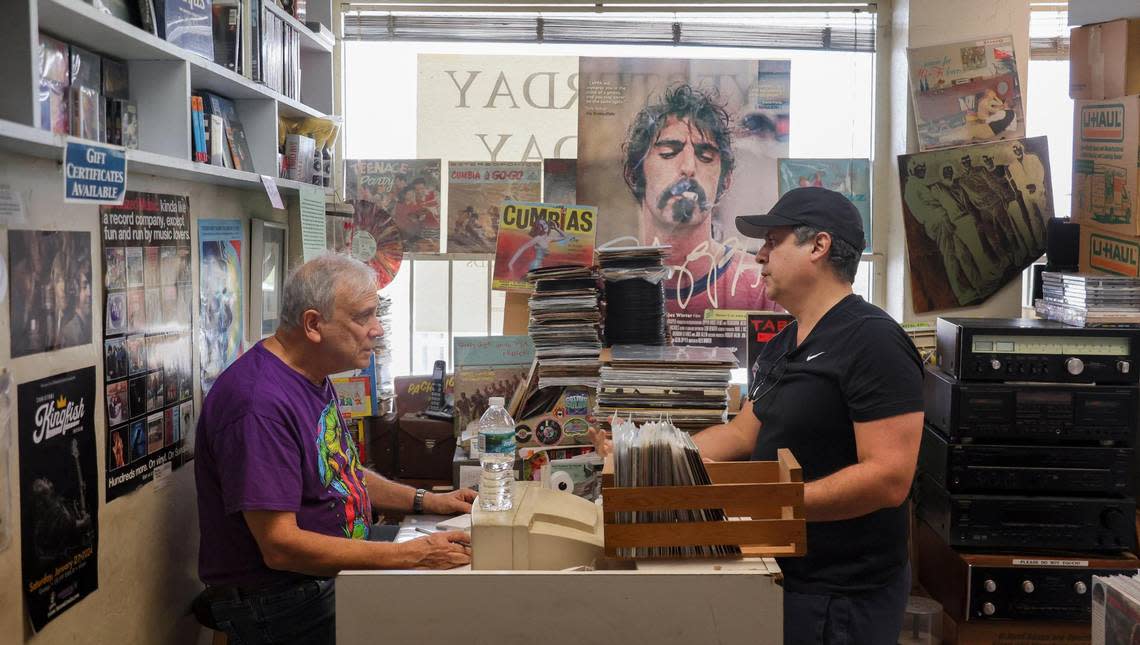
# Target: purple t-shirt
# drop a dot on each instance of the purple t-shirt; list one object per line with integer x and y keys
{"x": 270, "y": 440}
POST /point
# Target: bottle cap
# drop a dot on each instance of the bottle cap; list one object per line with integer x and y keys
{"x": 496, "y": 400}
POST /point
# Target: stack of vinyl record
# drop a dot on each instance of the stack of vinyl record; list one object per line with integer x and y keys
{"x": 685, "y": 385}
{"x": 564, "y": 320}
{"x": 1089, "y": 300}
{"x": 659, "y": 454}
{"x": 635, "y": 295}
{"x": 382, "y": 351}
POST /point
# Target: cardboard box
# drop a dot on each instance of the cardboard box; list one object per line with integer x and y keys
{"x": 1106, "y": 139}
{"x": 1104, "y": 60}
{"x": 1087, "y": 12}
{"x": 1104, "y": 251}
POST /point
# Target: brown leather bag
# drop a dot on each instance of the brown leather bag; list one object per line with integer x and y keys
{"x": 426, "y": 448}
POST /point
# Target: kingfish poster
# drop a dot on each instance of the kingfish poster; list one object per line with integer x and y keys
{"x": 59, "y": 503}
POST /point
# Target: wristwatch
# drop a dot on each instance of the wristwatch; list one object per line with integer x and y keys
{"x": 418, "y": 501}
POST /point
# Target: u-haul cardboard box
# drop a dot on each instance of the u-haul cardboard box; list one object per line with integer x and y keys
{"x": 1106, "y": 141}
{"x": 1104, "y": 60}
{"x": 1106, "y": 252}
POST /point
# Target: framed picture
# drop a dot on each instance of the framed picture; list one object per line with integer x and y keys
{"x": 268, "y": 266}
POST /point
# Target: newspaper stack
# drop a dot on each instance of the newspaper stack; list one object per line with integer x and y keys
{"x": 635, "y": 295}
{"x": 685, "y": 385}
{"x": 660, "y": 454}
{"x": 1115, "y": 609}
{"x": 1089, "y": 300}
{"x": 382, "y": 353}
{"x": 564, "y": 320}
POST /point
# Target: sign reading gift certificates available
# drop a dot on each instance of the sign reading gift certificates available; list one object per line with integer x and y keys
{"x": 94, "y": 174}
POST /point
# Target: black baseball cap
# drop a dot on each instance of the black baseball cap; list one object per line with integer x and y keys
{"x": 812, "y": 206}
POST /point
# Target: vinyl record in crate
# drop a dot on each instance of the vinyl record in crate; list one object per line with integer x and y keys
{"x": 376, "y": 240}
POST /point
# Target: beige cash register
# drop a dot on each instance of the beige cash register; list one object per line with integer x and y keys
{"x": 546, "y": 530}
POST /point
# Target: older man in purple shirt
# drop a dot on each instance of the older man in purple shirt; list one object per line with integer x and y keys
{"x": 283, "y": 500}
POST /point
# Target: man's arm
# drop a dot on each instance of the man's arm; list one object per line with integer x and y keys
{"x": 387, "y": 494}
{"x": 732, "y": 441}
{"x": 286, "y": 547}
{"x": 887, "y": 451}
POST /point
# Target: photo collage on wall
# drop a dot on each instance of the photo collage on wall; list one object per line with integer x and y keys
{"x": 147, "y": 345}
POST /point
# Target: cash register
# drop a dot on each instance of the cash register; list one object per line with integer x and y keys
{"x": 545, "y": 530}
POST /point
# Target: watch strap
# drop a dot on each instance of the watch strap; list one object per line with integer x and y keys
{"x": 418, "y": 501}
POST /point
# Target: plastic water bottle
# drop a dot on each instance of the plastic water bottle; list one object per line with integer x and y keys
{"x": 496, "y": 456}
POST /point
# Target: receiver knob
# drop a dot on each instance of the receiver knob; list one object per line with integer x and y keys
{"x": 988, "y": 609}
{"x": 990, "y": 586}
{"x": 1080, "y": 587}
{"x": 1075, "y": 366}
{"x": 1027, "y": 586}
{"x": 1112, "y": 518}
{"x": 1123, "y": 367}
{"x": 995, "y": 364}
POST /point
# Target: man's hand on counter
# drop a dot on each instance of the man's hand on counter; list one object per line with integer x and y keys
{"x": 457, "y": 501}
{"x": 443, "y": 550}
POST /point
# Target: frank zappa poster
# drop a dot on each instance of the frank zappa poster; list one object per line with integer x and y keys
{"x": 59, "y": 503}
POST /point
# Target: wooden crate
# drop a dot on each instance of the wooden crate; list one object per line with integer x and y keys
{"x": 764, "y": 502}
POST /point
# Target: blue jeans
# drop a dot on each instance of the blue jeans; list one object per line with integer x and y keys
{"x": 873, "y": 617}
{"x": 297, "y": 613}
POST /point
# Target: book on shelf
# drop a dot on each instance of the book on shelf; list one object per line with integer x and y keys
{"x": 126, "y": 10}
{"x": 238, "y": 146}
{"x": 227, "y": 34}
{"x": 147, "y": 20}
{"x": 53, "y": 97}
{"x": 187, "y": 24}
{"x": 299, "y": 151}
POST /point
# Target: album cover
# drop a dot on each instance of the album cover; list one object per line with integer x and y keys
{"x": 475, "y": 197}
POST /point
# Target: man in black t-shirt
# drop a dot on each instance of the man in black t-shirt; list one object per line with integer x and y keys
{"x": 841, "y": 387}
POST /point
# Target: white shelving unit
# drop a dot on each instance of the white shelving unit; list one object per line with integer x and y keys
{"x": 162, "y": 77}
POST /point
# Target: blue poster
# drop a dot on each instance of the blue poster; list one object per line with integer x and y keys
{"x": 94, "y": 174}
{"x": 220, "y": 313}
{"x": 852, "y": 177}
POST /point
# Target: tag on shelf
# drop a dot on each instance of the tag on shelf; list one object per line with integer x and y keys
{"x": 272, "y": 192}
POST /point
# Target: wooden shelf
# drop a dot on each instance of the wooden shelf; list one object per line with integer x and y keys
{"x": 46, "y": 145}
{"x": 82, "y": 24}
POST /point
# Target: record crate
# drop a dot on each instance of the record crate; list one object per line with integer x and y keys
{"x": 762, "y": 500}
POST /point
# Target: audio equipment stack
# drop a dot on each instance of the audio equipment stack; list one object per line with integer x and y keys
{"x": 1025, "y": 482}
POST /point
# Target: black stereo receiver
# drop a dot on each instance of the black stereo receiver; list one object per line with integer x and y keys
{"x": 1016, "y": 349}
{"x": 1020, "y": 522}
{"x": 1038, "y": 412}
{"x": 1003, "y": 468}
{"x": 978, "y": 587}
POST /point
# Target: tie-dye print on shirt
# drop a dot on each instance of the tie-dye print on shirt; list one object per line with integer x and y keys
{"x": 338, "y": 464}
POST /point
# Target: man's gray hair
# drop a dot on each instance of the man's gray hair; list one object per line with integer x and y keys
{"x": 316, "y": 283}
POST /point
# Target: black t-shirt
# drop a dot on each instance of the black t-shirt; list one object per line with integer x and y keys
{"x": 856, "y": 365}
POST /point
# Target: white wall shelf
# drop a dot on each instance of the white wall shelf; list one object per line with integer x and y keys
{"x": 40, "y": 143}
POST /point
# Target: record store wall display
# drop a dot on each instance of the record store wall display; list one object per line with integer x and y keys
{"x": 634, "y": 124}
{"x": 975, "y": 218}
{"x": 475, "y": 196}
{"x": 147, "y": 364}
{"x": 533, "y": 236}
{"x": 51, "y": 290}
{"x": 403, "y": 190}
{"x": 966, "y": 92}
{"x": 59, "y": 501}
{"x": 220, "y": 302}
{"x": 850, "y": 177}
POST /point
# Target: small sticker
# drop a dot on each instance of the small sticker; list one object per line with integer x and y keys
{"x": 162, "y": 474}
{"x": 575, "y": 427}
{"x": 11, "y": 207}
{"x": 272, "y": 192}
{"x": 522, "y": 433}
{"x": 548, "y": 432}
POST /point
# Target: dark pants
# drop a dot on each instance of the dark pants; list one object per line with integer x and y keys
{"x": 872, "y": 617}
{"x": 295, "y": 613}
